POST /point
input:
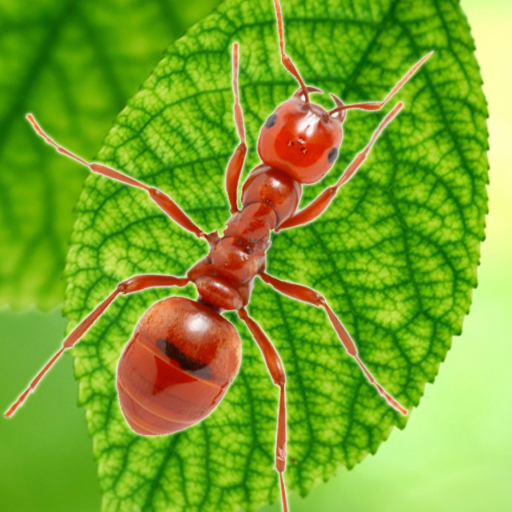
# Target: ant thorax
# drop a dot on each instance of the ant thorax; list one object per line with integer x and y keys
{"x": 270, "y": 197}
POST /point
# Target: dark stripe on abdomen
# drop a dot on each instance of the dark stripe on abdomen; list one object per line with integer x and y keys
{"x": 186, "y": 363}
{"x": 163, "y": 390}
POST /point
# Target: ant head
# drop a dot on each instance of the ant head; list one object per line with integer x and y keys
{"x": 302, "y": 138}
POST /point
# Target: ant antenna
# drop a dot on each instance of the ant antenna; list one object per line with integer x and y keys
{"x": 287, "y": 63}
{"x": 377, "y": 105}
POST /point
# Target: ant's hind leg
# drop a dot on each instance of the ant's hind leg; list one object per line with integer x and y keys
{"x": 275, "y": 367}
{"x": 305, "y": 294}
{"x": 236, "y": 163}
{"x": 134, "y": 284}
{"x": 161, "y": 199}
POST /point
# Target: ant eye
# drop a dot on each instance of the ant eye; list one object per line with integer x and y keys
{"x": 271, "y": 121}
{"x": 333, "y": 154}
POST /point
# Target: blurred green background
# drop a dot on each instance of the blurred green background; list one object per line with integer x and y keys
{"x": 456, "y": 452}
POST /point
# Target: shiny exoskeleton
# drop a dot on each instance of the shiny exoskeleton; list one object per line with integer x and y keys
{"x": 177, "y": 366}
{"x": 183, "y": 354}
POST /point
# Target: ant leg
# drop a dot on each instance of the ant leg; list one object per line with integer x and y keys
{"x": 275, "y": 367}
{"x": 320, "y": 204}
{"x": 161, "y": 199}
{"x": 287, "y": 62}
{"x": 236, "y": 163}
{"x": 134, "y": 284}
{"x": 305, "y": 294}
{"x": 377, "y": 105}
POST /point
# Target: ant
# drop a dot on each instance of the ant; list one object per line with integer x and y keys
{"x": 183, "y": 354}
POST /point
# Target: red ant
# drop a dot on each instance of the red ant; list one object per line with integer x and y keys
{"x": 183, "y": 354}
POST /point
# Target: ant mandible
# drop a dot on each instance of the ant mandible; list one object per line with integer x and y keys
{"x": 183, "y": 354}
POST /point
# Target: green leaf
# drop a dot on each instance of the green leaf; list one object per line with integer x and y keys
{"x": 74, "y": 64}
{"x": 395, "y": 255}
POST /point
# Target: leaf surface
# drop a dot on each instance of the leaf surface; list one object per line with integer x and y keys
{"x": 73, "y": 64}
{"x": 395, "y": 255}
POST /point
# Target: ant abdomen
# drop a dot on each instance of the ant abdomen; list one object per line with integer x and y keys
{"x": 177, "y": 366}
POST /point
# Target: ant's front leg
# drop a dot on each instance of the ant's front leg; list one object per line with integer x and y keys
{"x": 320, "y": 204}
{"x": 161, "y": 199}
{"x": 305, "y": 294}
{"x": 236, "y": 163}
